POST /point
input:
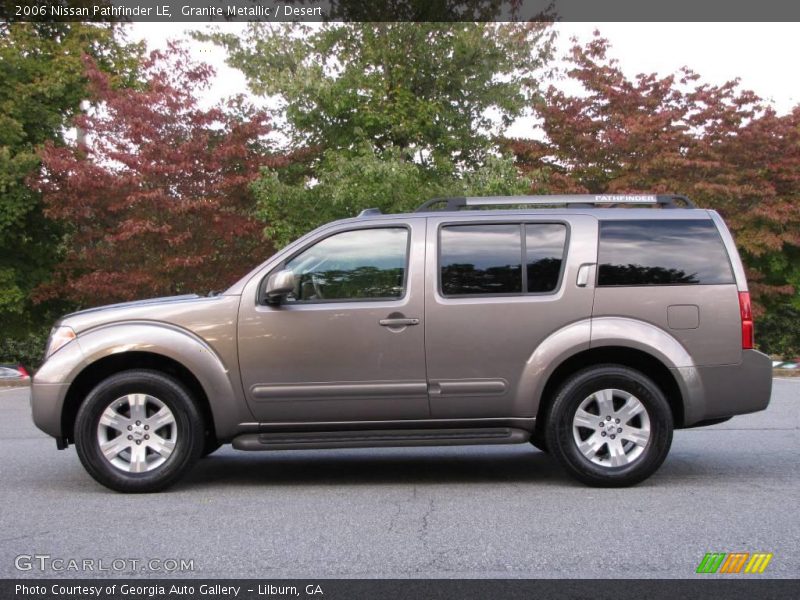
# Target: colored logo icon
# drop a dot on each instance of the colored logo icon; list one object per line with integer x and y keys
{"x": 734, "y": 562}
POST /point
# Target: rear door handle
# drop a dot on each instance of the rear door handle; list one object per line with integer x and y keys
{"x": 398, "y": 322}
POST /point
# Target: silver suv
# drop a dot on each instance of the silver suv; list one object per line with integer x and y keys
{"x": 590, "y": 331}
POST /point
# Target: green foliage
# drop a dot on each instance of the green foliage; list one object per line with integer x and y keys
{"x": 345, "y": 184}
{"x": 778, "y": 332}
{"x": 26, "y": 349}
{"x": 43, "y": 84}
{"x": 424, "y": 89}
{"x": 387, "y": 115}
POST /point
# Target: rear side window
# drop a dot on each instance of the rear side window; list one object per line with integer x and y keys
{"x": 488, "y": 259}
{"x": 662, "y": 252}
{"x": 544, "y": 250}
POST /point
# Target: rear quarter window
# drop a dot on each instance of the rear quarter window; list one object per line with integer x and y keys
{"x": 662, "y": 252}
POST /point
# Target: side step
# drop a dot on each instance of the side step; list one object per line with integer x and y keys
{"x": 380, "y": 438}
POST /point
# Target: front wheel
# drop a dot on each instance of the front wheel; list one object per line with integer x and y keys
{"x": 610, "y": 426}
{"x": 210, "y": 446}
{"x": 138, "y": 431}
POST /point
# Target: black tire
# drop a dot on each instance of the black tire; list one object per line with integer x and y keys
{"x": 189, "y": 436}
{"x": 211, "y": 445}
{"x": 539, "y": 442}
{"x": 561, "y": 441}
{"x": 539, "y": 435}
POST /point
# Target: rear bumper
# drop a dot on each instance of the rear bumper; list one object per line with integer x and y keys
{"x": 726, "y": 390}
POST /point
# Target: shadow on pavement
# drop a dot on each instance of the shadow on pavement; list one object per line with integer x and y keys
{"x": 371, "y": 467}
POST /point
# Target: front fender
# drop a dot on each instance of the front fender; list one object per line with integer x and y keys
{"x": 219, "y": 380}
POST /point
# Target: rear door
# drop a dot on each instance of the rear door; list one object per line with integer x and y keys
{"x": 497, "y": 287}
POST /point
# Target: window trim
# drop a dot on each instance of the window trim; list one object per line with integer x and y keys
{"x": 260, "y": 301}
{"x": 522, "y": 223}
{"x": 725, "y": 249}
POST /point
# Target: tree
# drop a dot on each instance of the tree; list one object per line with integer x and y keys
{"x": 345, "y": 185}
{"x": 43, "y": 86}
{"x": 421, "y": 88}
{"x": 386, "y": 114}
{"x": 720, "y": 145}
{"x": 158, "y": 202}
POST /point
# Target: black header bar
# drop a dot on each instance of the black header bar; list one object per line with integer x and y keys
{"x": 742, "y": 587}
{"x": 401, "y": 11}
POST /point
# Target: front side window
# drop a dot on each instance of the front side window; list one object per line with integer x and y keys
{"x": 363, "y": 264}
{"x": 488, "y": 259}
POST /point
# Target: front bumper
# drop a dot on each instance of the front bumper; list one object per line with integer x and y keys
{"x": 47, "y": 403}
{"x": 49, "y": 388}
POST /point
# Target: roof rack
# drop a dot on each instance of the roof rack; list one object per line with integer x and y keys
{"x": 578, "y": 200}
{"x": 369, "y": 212}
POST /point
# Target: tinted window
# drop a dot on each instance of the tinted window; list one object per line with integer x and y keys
{"x": 360, "y": 264}
{"x": 481, "y": 259}
{"x": 671, "y": 252}
{"x": 544, "y": 249}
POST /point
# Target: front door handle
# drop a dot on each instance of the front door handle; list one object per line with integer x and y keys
{"x": 398, "y": 322}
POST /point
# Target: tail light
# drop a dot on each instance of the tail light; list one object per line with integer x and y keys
{"x": 22, "y": 372}
{"x": 746, "y": 312}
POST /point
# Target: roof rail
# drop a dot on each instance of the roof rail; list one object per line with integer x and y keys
{"x": 583, "y": 200}
{"x": 370, "y": 211}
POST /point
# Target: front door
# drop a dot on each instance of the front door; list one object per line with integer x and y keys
{"x": 348, "y": 343}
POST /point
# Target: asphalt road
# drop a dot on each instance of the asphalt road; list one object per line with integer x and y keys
{"x": 502, "y": 511}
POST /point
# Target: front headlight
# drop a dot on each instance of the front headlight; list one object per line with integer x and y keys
{"x": 59, "y": 337}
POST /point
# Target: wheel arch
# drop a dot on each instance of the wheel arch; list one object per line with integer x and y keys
{"x": 627, "y": 356}
{"x": 165, "y": 348}
{"x": 109, "y": 365}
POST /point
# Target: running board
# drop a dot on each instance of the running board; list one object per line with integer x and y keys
{"x": 376, "y": 438}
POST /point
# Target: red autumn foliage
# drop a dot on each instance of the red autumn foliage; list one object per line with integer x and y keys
{"x": 158, "y": 201}
{"x": 723, "y": 147}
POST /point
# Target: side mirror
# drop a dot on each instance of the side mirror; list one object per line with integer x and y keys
{"x": 279, "y": 284}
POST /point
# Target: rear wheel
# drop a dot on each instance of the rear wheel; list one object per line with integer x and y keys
{"x": 610, "y": 426}
{"x": 539, "y": 441}
{"x": 138, "y": 431}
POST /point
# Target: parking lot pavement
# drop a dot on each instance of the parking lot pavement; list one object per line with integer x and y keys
{"x": 495, "y": 511}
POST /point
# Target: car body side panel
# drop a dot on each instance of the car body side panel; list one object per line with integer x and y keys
{"x": 716, "y": 340}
